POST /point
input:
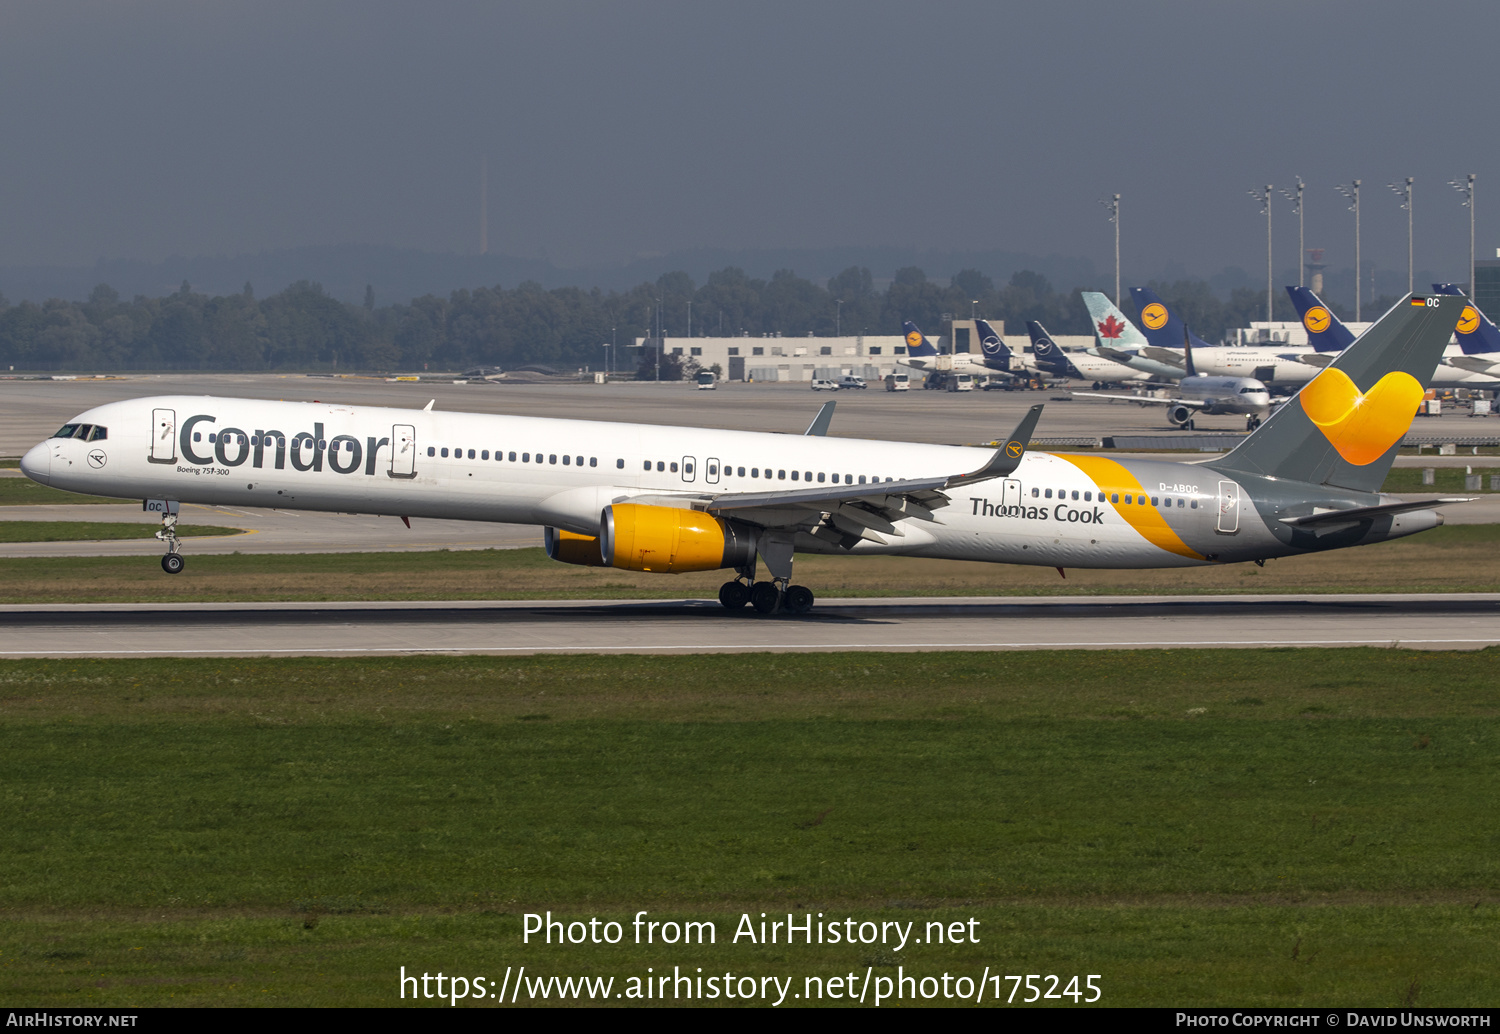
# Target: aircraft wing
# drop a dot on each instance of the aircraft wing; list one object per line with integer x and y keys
{"x": 1361, "y": 513}
{"x": 844, "y": 514}
{"x": 1118, "y": 355}
{"x": 1318, "y": 359}
{"x": 1144, "y": 400}
{"x": 1474, "y": 363}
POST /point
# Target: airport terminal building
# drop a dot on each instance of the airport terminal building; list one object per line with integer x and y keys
{"x": 773, "y": 358}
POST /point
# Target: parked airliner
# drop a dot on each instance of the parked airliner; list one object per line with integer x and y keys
{"x": 676, "y": 499}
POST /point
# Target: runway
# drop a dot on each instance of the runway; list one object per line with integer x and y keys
{"x": 1434, "y": 622}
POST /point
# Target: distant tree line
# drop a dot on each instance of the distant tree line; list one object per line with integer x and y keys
{"x": 302, "y": 328}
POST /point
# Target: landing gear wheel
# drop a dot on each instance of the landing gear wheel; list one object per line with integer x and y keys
{"x": 798, "y": 600}
{"x": 734, "y": 595}
{"x": 765, "y": 597}
{"x": 172, "y": 563}
{"x": 1252, "y": 423}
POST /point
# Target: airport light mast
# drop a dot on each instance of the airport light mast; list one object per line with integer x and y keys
{"x": 1112, "y": 205}
{"x": 1467, "y": 190}
{"x": 1351, "y": 194}
{"x": 1295, "y": 197}
{"x": 1264, "y": 197}
{"x": 1404, "y": 193}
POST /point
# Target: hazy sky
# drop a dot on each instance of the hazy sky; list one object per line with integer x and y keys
{"x": 139, "y": 130}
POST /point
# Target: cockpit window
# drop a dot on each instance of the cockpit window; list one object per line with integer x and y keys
{"x": 66, "y": 431}
{"x": 101, "y": 433}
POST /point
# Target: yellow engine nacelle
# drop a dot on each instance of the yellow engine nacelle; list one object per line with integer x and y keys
{"x": 667, "y": 540}
{"x": 571, "y": 548}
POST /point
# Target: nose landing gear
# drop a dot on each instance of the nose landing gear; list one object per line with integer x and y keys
{"x": 173, "y": 562}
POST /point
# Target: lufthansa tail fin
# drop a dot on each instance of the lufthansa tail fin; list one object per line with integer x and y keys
{"x": 1345, "y": 426}
{"x": 1476, "y": 334}
{"x": 997, "y": 354}
{"x": 1048, "y": 357}
{"x": 1163, "y": 328}
{"x": 917, "y": 344}
{"x": 1325, "y": 331}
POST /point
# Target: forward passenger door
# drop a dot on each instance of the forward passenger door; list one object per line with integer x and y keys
{"x": 403, "y": 451}
{"x": 163, "y": 436}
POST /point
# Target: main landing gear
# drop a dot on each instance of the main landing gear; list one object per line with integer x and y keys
{"x": 777, "y": 596}
{"x": 173, "y": 562}
{"x": 767, "y": 597}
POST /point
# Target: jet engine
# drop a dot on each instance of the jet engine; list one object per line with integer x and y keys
{"x": 665, "y": 539}
{"x": 1180, "y": 416}
{"x": 571, "y": 548}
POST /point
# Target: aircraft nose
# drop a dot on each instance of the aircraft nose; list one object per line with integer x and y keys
{"x": 37, "y": 463}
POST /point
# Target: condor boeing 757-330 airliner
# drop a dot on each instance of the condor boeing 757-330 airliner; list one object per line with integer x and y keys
{"x": 675, "y": 499}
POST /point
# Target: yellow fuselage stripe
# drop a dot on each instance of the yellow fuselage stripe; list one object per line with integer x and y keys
{"x": 1111, "y": 477}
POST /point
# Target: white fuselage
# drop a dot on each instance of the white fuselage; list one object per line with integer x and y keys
{"x": 563, "y": 472}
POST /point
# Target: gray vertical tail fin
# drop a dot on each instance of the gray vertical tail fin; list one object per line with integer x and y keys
{"x": 1345, "y": 426}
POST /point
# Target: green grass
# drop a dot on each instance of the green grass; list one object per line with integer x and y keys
{"x": 23, "y": 491}
{"x": 96, "y": 531}
{"x": 1308, "y": 827}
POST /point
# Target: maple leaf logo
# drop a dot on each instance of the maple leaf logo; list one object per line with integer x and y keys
{"x": 1111, "y": 328}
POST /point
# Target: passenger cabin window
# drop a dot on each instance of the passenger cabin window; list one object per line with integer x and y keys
{"x": 674, "y": 467}
{"x": 567, "y": 461}
{"x": 740, "y": 472}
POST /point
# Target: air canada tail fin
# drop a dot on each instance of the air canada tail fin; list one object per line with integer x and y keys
{"x": 1325, "y": 332}
{"x": 1163, "y": 328}
{"x": 1345, "y": 426}
{"x": 1476, "y": 334}
{"x": 1111, "y": 328}
{"x": 916, "y": 342}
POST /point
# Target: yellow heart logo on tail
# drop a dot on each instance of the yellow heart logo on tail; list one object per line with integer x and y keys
{"x": 1361, "y": 426}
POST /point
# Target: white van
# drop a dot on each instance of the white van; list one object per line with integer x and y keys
{"x": 824, "y": 384}
{"x": 707, "y": 381}
{"x": 898, "y": 382}
{"x": 961, "y": 382}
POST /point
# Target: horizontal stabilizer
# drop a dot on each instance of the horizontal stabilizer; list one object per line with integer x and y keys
{"x": 1365, "y": 513}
